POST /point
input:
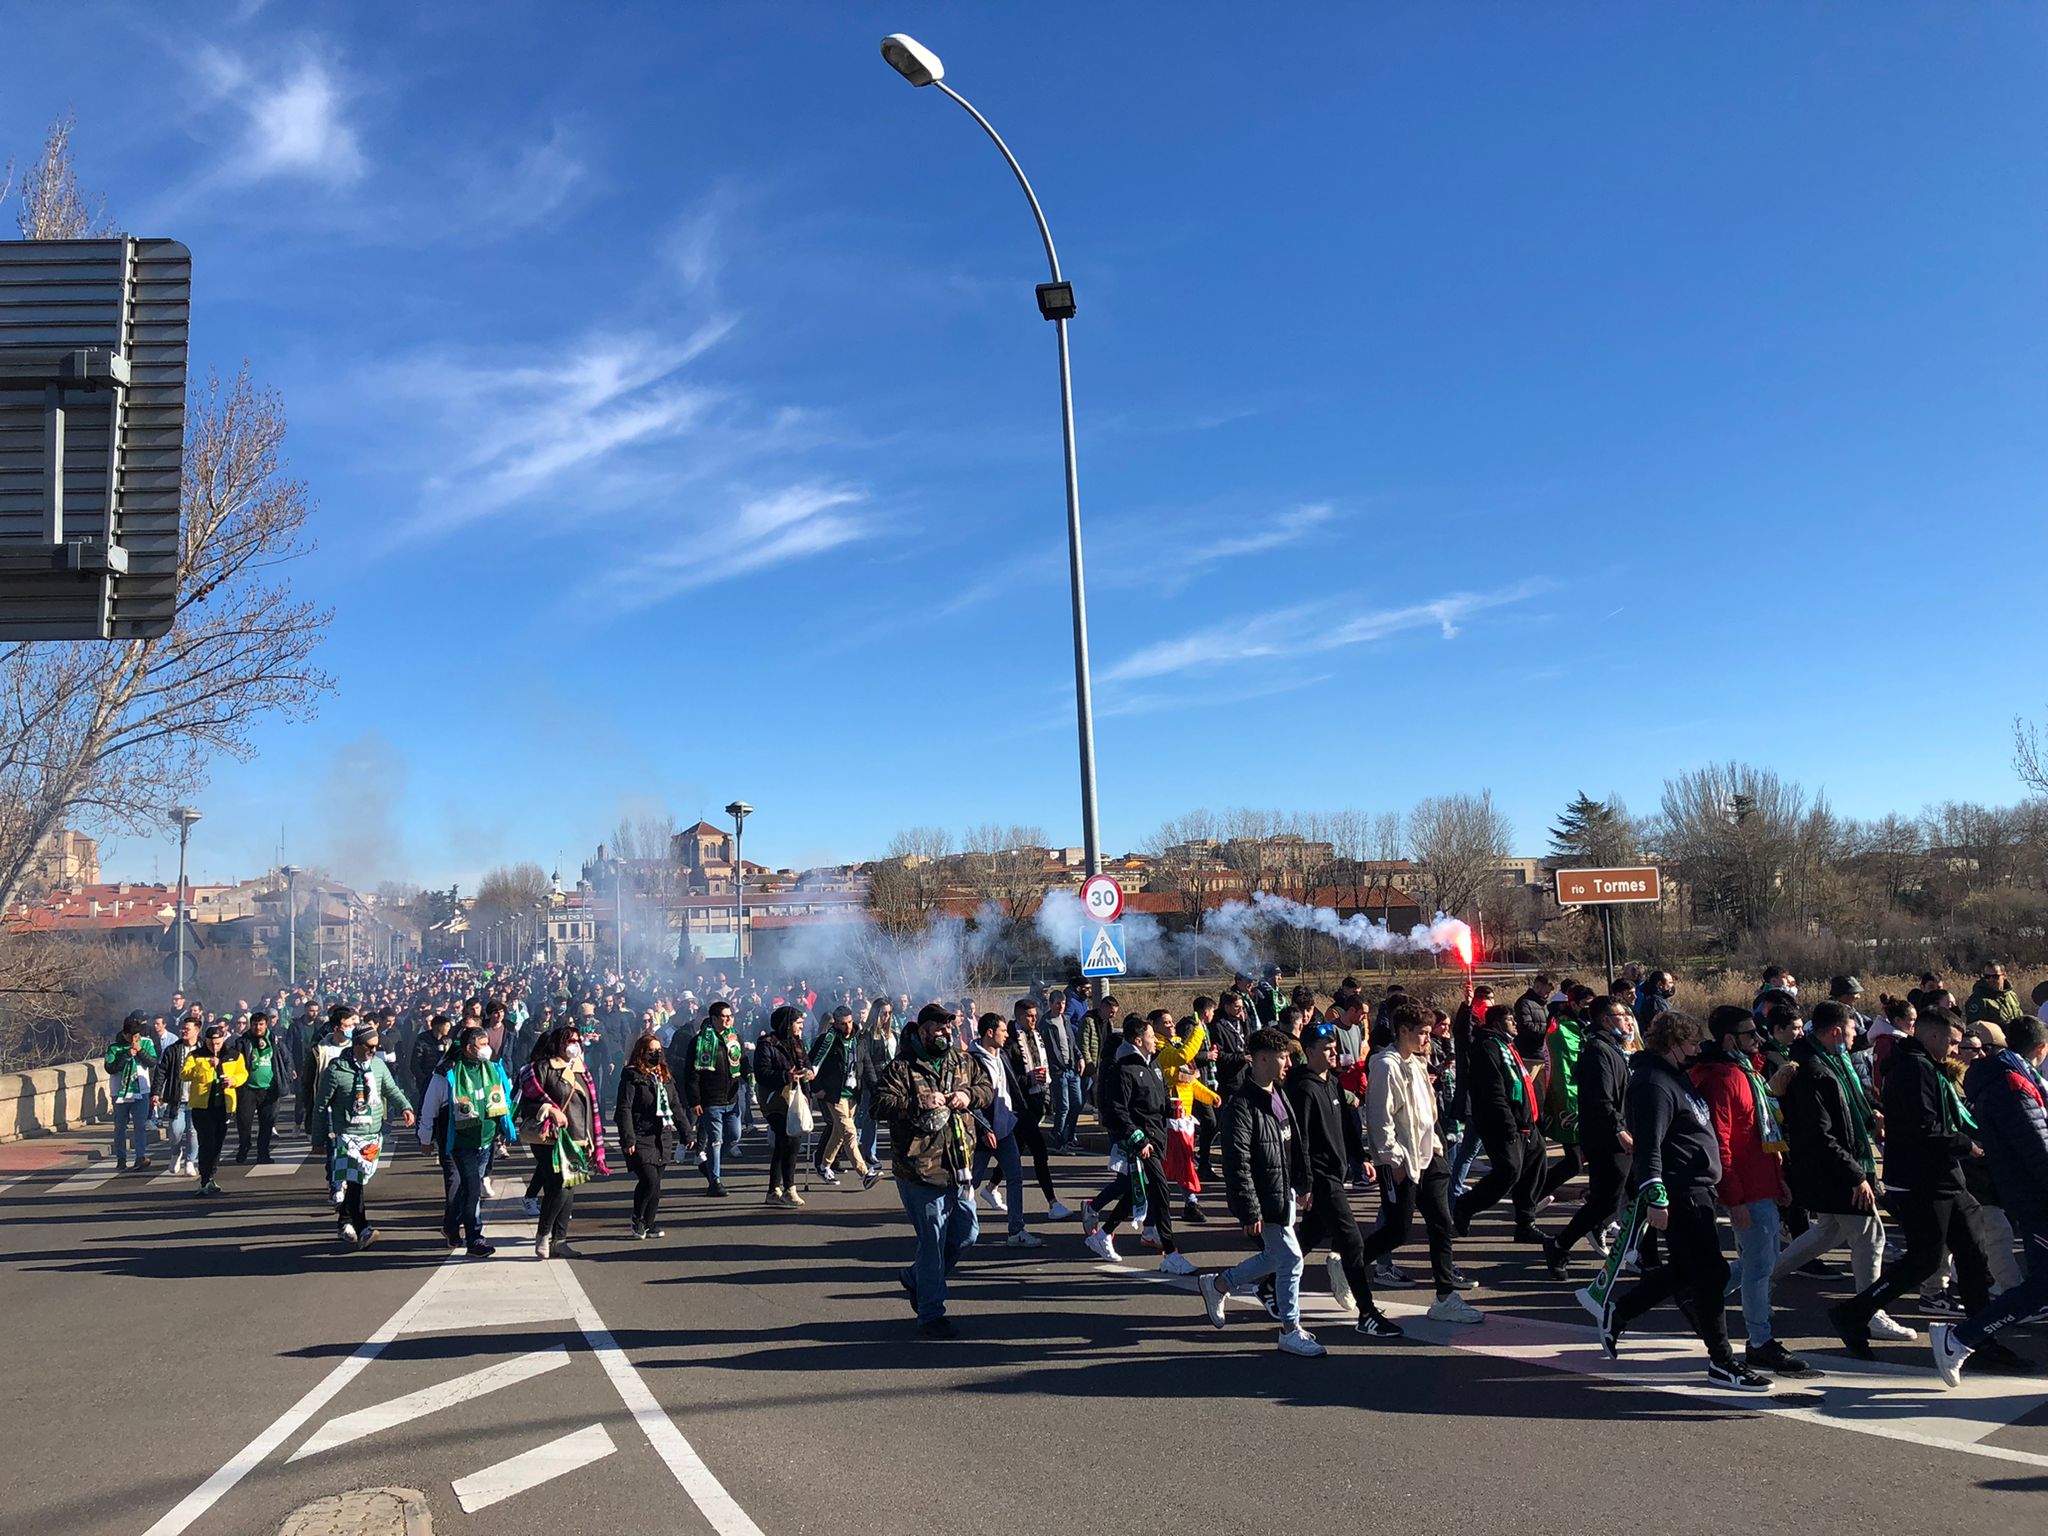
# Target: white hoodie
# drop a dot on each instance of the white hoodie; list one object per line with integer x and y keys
{"x": 1400, "y": 1112}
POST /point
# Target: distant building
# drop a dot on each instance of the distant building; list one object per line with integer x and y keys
{"x": 66, "y": 858}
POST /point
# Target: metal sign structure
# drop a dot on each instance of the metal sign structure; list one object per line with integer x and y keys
{"x": 1103, "y": 898}
{"x": 93, "y": 337}
{"x": 1102, "y": 950}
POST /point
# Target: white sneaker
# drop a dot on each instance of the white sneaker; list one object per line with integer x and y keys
{"x": 1340, "y": 1286}
{"x": 1149, "y": 1236}
{"x": 348, "y": 1232}
{"x": 340, "y": 1193}
{"x": 1454, "y": 1309}
{"x": 530, "y": 1206}
{"x": 1090, "y": 1222}
{"x": 1024, "y": 1240}
{"x": 490, "y": 1189}
{"x": 997, "y": 1199}
{"x": 1884, "y": 1326}
{"x": 1100, "y": 1245}
{"x": 1059, "y": 1211}
{"x": 1949, "y": 1354}
{"x": 1584, "y": 1296}
{"x": 1214, "y": 1298}
{"x": 1176, "y": 1263}
{"x": 178, "y": 1167}
{"x": 1299, "y": 1341}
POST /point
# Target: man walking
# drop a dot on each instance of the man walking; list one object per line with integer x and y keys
{"x": 996, "y": 1146}
{"x": 1134, "y": 1110}
{"x": 1601, "y": 1079}
{"x": 930, "y": 1095}
{"x": 713, "y": 1061}
{"x": 1502, "y": 1097}
{"x": 1315, "y": 1100}
{"x": 1265, "y": 1176}
{"x": 835, "y": 1084}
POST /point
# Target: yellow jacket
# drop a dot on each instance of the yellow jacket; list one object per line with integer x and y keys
{"x": 1172, "y": 1057}
{"x": 202, "y": 1072}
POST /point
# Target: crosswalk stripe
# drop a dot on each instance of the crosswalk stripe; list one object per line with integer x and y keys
{"x": 529, "y": 1469}
{"x": 445, "y": 1394}
{"x": 85, "y": 1183}
{"x": 277, "y": 1170}
{"x": 170, "y": 1177}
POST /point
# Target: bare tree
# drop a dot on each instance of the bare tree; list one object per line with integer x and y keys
{"x": 909, "y": 883}
{"x": 1458, "y": 842}
{"x": 117, "y": 733}
{"x": 511, "y": 888}
{"x": 2030, "y": 756}
{"x": 1186, "y": 863}
{"x": 1005, "y": 865}
{"x": 52, "y": 207}
{"x": 1734, "y": 832}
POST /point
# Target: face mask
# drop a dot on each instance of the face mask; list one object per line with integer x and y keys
{"x": 576, "y": 1054}
{"x": 483, "y": 1053}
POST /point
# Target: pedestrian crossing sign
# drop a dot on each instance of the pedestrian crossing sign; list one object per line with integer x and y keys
{"x": 1104, "y": 954}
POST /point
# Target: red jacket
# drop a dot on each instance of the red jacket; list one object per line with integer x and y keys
{"x": 1748, "y": 1172}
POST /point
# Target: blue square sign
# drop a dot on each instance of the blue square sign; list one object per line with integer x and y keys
{"x": 1102, "y": 950}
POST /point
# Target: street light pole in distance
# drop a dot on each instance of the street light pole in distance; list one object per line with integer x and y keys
{"x": 739, "y": 811}
{"x": 920, "y": 66}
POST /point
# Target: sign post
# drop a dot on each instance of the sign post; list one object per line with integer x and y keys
{"x": 1608, "y": 889}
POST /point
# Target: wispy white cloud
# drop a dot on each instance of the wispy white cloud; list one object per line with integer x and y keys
{"x": 796, "y": 522}
{"x": 1310, "y": 631}
{"x": 294, "y": 119}
{"x": 534, "y": 186}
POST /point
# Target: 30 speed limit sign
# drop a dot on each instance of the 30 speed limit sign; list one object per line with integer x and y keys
{"x": 1103, "y": 898}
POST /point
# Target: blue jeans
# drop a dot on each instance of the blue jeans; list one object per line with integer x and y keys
{"x": 1462, "y": 1160}
{"x": 182, "y": 1134}
{"x": 1012, "y": 1164}
{"x": 944, "y": 1220}
{"x": 464, "y": 1205}
{"x": 1756, "y": 1248}
{"x": 718, "y": 1134}
{"x": 1280, "y": 1258}
{"x": 868, "y": 1130}
{"x": 131, "y": 1129}
{"x": 1063, "y": 1098}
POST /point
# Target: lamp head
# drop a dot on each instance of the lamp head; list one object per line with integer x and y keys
{"x": 912, "y": 60}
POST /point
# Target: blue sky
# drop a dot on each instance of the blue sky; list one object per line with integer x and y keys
{"x": 1476, "y": 396}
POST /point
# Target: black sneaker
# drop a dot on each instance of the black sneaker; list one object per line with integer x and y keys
{"x": 938, "y": 1328}
{"x": 1774, "y": 1357}
{"x": 1375, "y": 1324}
{"x": 1610, "y": 1334}
{"x": 908, "y": 1281}
{"x": 1191, "y": 1213}
{"x": 1269, "y": 1299}
{"x": 1528, "y": 1235}
{"x": 451, "y": 1237}
{"x": 561, "y": 1250}
{"x": 657, "y": 1231}
{"x": 1819, "y": 1268}
{"x": 1733, "y": 1376}
{"x": 1460, "y": 1281}
{"x": 717, "y": 1191}
{"x": 366, "y": 1237}
{"x": 1553, "y": 1260}
{"x": 1854, "y": 1331}
{"x": 639, "y": 1232}
{"x": 1944, "y": 1304}
{"x": 480, "y": 1250}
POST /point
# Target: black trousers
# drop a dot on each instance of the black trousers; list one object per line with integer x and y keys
{"x": 351, "y": 1212}
{"x": 1115, "y": 1204}
{"x": 212, "y": 1125}
{"x": 1514, "y": 1167}
{"x": 782, "y": 1150}
{"x": 557, "y": 1203}
{"x": 647, "y": 1174}
{"x": 1205, "y": 1141}
{"x": 1431, "y": 1194}
{"x": 256, "y": 1112}
{"x": 1933, "y": 1224}
{"x": 1694, "y": 1273}
{"x": 1562, "y": 1172}
{"x": 1606, "y": 1173}
{"x": 1031, "y": 1138}
{"x": 1328, "y": 1223}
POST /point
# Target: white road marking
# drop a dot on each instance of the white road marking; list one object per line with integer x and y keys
{"x": 168, "y": 1177}
{"x": 208, "y": 1493}
{"x": 1906, "y": 1405}
{"x": 402, "y": 1410}
{"x": 717, "y": 1506}
{"x": 529, "y": 1469}
{"x": 85, "y": 1183}
{"x": 277, "y": 1170}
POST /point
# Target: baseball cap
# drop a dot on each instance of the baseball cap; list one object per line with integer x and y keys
{"x": 1845, "y": 986}
{"x": 934, "y": 1013}
{"x": 1319, "y": 1034}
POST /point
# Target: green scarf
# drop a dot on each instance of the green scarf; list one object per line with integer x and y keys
{"x": 714, "y": 1043}
{"x": 1956, "y": 1118}
{"x": 1767, "y": 1126}
{"x": 1860, "y": 1119}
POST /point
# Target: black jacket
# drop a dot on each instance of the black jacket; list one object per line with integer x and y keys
{"x": 776, "y": 1063}
{"x": 1673, "y": 1130}
{"x": 1318, "y": 1106}
{"x": 718, "y": 1085}
{"x": 635, "y": 1113}
{"x": 424, "y": 1060}
{"x": 1919, "y": 1155}
{"x": 1489, "y": 1093}
{"x": 1532, "y": 1015}
{"x": 1263, "y": 1165}
{"x": 168, "y": 1081}
{"x": 2012, "y": 1120}
{"x": 1821, "y": 1162}
{"x": 1600, "y": 1078}
{"x": 834, "y": 1066}
{"x": 1232, "y": 1040}
{"x": 1133, "y": 1098}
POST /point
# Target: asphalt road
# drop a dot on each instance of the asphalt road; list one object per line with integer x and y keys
{"x": 175, "y": 1364}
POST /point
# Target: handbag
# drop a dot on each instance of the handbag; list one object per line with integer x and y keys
{"x": 798, "y": 1122}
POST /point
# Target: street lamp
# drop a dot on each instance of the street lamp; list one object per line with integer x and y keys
{"x": 739, "y": 811}
{"x": 185, "y": 817}
{"x": 920, "y": 66}
{"x": 291, "y": 904}
{"x": 540, "y": 944}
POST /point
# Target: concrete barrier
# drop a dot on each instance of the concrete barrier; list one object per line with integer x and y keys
{"x": 53, "y": 1099}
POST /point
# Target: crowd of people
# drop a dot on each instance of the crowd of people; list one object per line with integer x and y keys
{"x": 1799, "y": 1129}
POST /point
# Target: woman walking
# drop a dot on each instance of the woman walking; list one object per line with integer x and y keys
{"x": 210, "y": 1084}
{"x": 557, "y": 1092}
{"x": 878, "y": 1049}
{"x": 780, "y": 1072}
{"x": 465, "y": 1112}
{"x": 649, "y": 1114}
